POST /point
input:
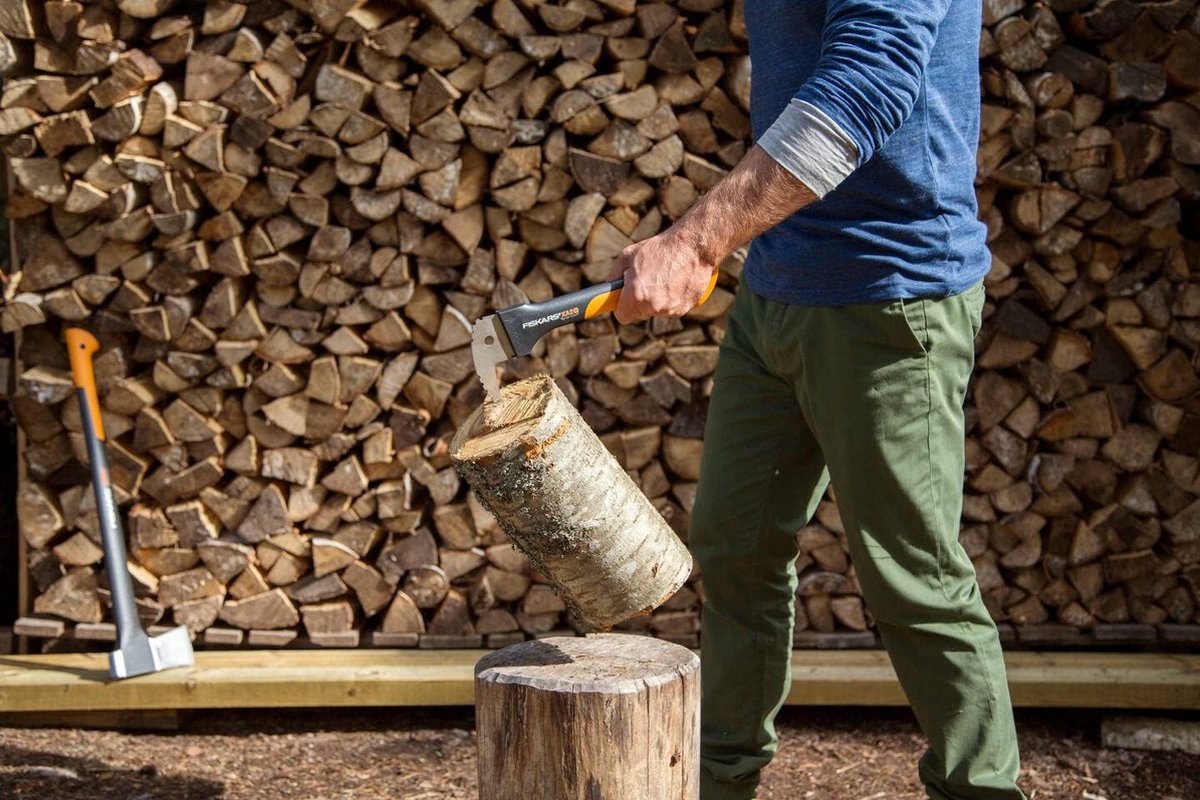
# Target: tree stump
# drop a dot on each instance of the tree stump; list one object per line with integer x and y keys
{"x": 563, "y": 500}
{"x": 610, "y": 716}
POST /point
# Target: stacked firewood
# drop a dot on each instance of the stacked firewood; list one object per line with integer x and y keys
{"x": 1082, "y": 451}
{"x": 281, "y": 218}
{"x": 1082, "y": 458}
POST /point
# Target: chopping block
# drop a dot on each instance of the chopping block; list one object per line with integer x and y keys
{"x": 613, "y": 716}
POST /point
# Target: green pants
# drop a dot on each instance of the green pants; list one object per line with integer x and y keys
{"x": 870, "y": 396}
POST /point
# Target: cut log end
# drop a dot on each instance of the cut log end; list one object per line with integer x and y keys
{"x": 608, "y": 662}
{"x": 498, "y": 424}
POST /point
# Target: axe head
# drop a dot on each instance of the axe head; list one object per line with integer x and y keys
{"x": 140, "y": 654}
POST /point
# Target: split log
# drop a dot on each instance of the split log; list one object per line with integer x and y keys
{"x": 267, "y": 611}
{"x": 73, "y": 597}
{"x": 566, "y": 503}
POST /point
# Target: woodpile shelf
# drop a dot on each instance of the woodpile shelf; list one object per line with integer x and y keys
{"x": 315, "y": 678}
{"x": 281, "y": 217}
{"x": 1024, "y": 637}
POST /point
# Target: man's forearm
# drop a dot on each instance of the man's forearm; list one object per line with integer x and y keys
{"x": 668, "y": 274}
{"x": 755, "y": 197}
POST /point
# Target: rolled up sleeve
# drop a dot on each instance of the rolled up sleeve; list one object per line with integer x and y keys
{"x": 811, "y": 146}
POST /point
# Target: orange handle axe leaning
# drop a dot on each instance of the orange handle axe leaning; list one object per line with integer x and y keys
{"x": 80, "y": 347}
{"x": 136, "y": 653}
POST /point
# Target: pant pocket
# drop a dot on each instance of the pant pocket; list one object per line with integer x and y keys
{"x": 914, "y": 312}
{"x": 975, "y": 297}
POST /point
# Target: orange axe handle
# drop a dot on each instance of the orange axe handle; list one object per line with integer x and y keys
{"x": 80, "y": 347}
{"x": 603, "y": 303}
{"x": 527, "y": 323}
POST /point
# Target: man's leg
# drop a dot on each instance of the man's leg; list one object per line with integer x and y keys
{"x": 760, "y": 479}
{"x": 884, "y": 389}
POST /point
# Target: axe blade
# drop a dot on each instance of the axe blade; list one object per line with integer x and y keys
{"x": 141, "y": 654}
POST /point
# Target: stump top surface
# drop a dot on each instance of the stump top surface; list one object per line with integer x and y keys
{"x": 607, "y": 662}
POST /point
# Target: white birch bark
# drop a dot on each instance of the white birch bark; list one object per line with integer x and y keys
{"x": 564, "y": 501}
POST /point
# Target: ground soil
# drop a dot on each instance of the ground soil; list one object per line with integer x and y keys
{"x": 407, "y": 754}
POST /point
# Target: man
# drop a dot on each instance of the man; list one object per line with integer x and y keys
{"x": 846, "y": 356}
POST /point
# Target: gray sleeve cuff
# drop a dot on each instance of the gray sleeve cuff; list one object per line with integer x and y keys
{"x": 811, "y": 146}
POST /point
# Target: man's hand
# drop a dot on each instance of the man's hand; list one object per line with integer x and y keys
{"x": 665, "y": 275}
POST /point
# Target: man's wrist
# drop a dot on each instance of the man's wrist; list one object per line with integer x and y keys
{"x": 705, "y": 239}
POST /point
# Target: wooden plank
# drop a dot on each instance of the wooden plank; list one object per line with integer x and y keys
{"x": 415, "y": 677}
{"x": 39, "y": 627}
{"x": 850, "y": 677}
{"x": 244, "y": 679}
{"x": 1105, "y": 680}
{"x": 1036, "y": 679}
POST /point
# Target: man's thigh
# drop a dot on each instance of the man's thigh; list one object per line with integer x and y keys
{"x": 762, "y": 472}
{"x": 888, "y": 412}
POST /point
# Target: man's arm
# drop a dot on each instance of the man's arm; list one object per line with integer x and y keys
{"x": 668, "y": 273}
{"x": 872, "y": 68}
{"x": 872, "y": 65}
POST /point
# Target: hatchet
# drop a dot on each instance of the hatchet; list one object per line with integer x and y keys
{"x": 513, "y": 331}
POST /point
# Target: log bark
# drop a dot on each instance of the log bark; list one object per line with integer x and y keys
{"x": 609, "y": 715}
{"x": 568, "y": 505}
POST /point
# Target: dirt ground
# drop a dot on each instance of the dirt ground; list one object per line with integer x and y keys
{"x": 828, "y": 754}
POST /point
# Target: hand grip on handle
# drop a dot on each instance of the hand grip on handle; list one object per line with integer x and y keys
{"x": 80, "y": 347}
{"x": 607, "y": 300}
{"x": 528, "y": 322}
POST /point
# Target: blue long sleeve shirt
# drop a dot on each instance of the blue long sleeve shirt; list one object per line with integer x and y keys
{"x": 892, "y": 87}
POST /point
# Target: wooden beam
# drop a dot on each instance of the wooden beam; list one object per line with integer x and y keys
{"x": 1036, "y": 679}
{"x": 378, "y": 677}
{"x": 244, "y": 679}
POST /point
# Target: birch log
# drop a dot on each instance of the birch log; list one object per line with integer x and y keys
{"x": 611, "y": 715}
{"x": 562, "y": 499}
